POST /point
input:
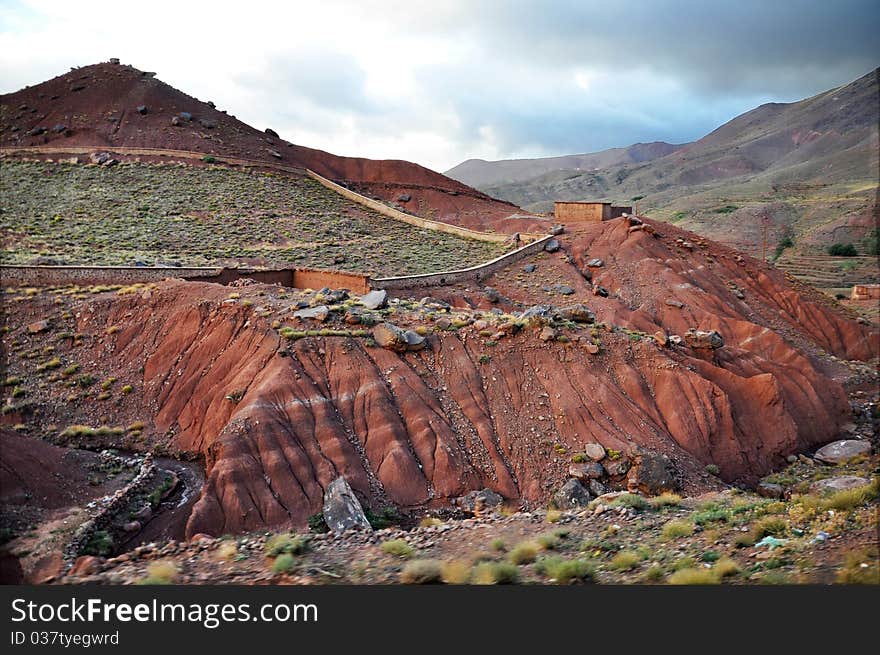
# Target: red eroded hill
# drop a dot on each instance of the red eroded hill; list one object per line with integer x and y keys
{"x": 492, "y": 400}
{"x": 110, "y": 105}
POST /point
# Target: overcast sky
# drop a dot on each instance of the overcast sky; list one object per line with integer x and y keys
{"x": 440, "y": 82}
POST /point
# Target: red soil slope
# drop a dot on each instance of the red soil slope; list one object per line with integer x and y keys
{"x": 97, "y": 107}
{"x": 276, "y": 421}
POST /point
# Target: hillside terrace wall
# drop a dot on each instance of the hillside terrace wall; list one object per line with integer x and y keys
{"x": 54, "y": 276}
{"x": 460, "y": 275}
{"x": 416, "y": 221}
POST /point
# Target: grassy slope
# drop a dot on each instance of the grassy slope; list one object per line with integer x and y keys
{"x": 74, "y": 214}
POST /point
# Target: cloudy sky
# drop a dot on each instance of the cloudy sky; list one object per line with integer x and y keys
{"x": 443, "y": 81}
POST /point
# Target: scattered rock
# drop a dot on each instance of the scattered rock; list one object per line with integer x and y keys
{"x": 319, "y": 313}
{"x": 594, "y": 451}
{"x": 175, "y": 120}
{"x": 572, "y": 495}
{"x": 556, "y": 230}
{"x": 552, "y": 245}
{"x": 491, "y": 294}
{"x": 703, "y": 339}
{"x": 414, "y": 340}
{"x": 661, "y": 338}
{"x": 100, "y": 158}
{"x": 391, "y": 337}
{"x": 86, "y": 565}
{"x": 596, "y": 487}
{"x": 271, "y": 132}
{"x": 585, "y": 471}
{"x": 375, "y": 299}
{"x": 653, "y": 474}
{"x": 591, "y": 348}
{"x": 770, "y": 490}
{"x": 485, "y": 498}
{"x": 207, "y": 123}
{"x": 185, "y": 116}
{"x": 563, "y": 289}
{"x": 39, "y": 326}
{"x": 530, "y": 268}
{"x": 840, "y": 452}
{"x": 132, "y": 526}
{"x": 600, "y": 291}
{"x": 404, "y": 197}
{"x": 672, "y": 302}
{"x": 142, "y": 110}
{"x": 342, "y": 510}
{"x": 595, "y": 263}
{"x": 58, "y": 128}
{"x": 275, "y": 154}
{"x": 548, "y": 334}
{"x": 578, "y": 313}
{"x": 841, "y": 483}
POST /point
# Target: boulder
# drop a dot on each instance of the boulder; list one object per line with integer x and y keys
{"x": 595, "y": 262}
{"x": 207, "y": 123}
{"x": 661, "y": 338}
{"x": 585, "y": 471}
{"x": 414, "y": 340}
{"x": 841, "y": 483}
{"x": 708, "y": 339}
{"x": 271, "y": 132}
{"x": 491, "y": 294}
{"x": 185, "y": 116}
{"x": 530, "y": 268}
{"x": 552, "y": 245}
{"x": 563, "y": 289}
{"x": 600, "y": 291}
{"x": 591, "y": 348}
{"x": 548, "y": 334}
{"x": 58, "y": 128}
{"x": 654, "y": 473}
{"x": 596, "y": 487}
{"x": 375, "y": 299}
{"x": 404, "y": 197}
{"x": 672, "y": 302}
{"x": 142, "y": 109}
{"x": 770, "y": 490}
{"x": 840, "y": 452}
{"x": 132, "y": 526}
{"x": 579, "y": 313}
{"x": 594, "y": 451}
{"x": 319, "y": 313}
{"x": 572, "y": 495}
{"x": 484, "y": 498}
{"x": 539, "y": 312}
{"x": 100, "y": 158}
{"x": 38, "y": 326}
{"x": 391, "y": 337}
{"x": 556, "y": 230}
{"x": 342, "y": 510}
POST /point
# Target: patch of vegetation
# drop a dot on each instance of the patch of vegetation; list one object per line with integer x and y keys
{"x": 785, "y": 242}
{"x": 422, "y": 571}
{"x": 456, "y": 572}
{"x": 842, "y": 250}
{"x": 100, "y": 544}
{"x": 726, "y": 209}
{"x": 633, "y": 501}
{"x": 676, "y": 529}
{"x": 290, "y": 543}
{"x": 666, "y": 499}
{"x": 860, "y": 567}
{"x": 384, "y": 517}
{"x": 398, "y": 548}
{"x": 693, "y": 577}
{"x": 284, "y": 563}
{"x": 495, "y": 573}
{"x": 625, "y": 560}
{"x": 564, "y": 571}
{"x": 524, "y": 552}
{"x": 318, "y": 524}
{"x": 162, "y": 572}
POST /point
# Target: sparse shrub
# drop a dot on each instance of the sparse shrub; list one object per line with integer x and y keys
{"x": 842, "y": 250}
{"x": 676, "y": 529}
{"x": 100, "y": 543}
{"x": 579, "y": 458}
{"x": 495, "y": 573}
{"x": 625, "y": 560}
{"x": 744, "y": 540}
{"x": 725, "y": 568}
{"x": 227, "y": 550}
{"x": 484, "y": 359}
{"x": 654, "y": 574}
{"x": 666, "y": 499}
{"x": 284, "y": 563}
{"x": 398, "y": 548}
{"x": 422, "y": 571}
{"x": 633, "y": 501}
{"x": 553, "y": 516}
{"x": 710, "y": 514}
{"x": 18, "y": 392}
{"x": 859, "y": 567}
{"x": 712, "y": 469}
{"x": 547, "y": 541}
{"x": 769, "y": 525}
{"x": 456, "y": 572}
{"x": 710, "y": 556}
{"x": 161, "y": 572}
{"x": 384, "y": 517}
{"x": 564, "y": 570}
{"x": 524, "y": 552}
{"x": 293, "y": 544}
{"x": 317, "y": 523}
{"x": 127, "y": 389}
{"x": 430, "y": 522}
{"x": 498, "y": 545}
{"x": 693, "y": 577}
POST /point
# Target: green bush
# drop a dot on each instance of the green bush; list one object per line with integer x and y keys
{"x": 293, "y": 544}
{"x": 842, "y": 250}
{"x": 99, "y": 544}
{"x": 398, "y": 548}
{"x": 284, "y": 563}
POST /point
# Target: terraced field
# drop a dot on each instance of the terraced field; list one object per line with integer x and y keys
{"x": 827, "y": 272}
{"x": 131, "y": 213}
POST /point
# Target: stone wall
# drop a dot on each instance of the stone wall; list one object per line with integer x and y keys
{"x": 54, "y": 276}
{"x": 416, "y": 221}
{"x": 460, "y": 275}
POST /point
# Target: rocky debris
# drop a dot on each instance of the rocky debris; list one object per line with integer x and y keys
{"x": 58, "y": 128}
{"x": 563, "y": 289}
{"x": 552, "y": 245}
{"x": 840, "y": 483}
{"x": 578, "y": 313}
{"x": 600, "y": 291}
{"x": 404, "y": 197}
{"x": 473, "y": 501}
{"x": 207, "y": 123}
{"x": 102, "y": 158}
{"x": 594, "y": 451}
{"x": 342, "y": 510}
{"x": 556, "y": 230}
{"x": 591, "y": 348}
{"x": 377, "y": 299}
{"x": 661, "y": 338}
{"x": 585, "y": 471}
{"x": 840, "y": 452}
{"x": 770, "y": 490}
{"x": 491, "y": 294}
{"x": 38, "y": 326}
{"x": 653, "y": 473}
{"x": 142, "y": 110}
{"x": 672, "y": 302}
{"x": 391, "y": 337}
{"x": 541, "y": 313}
{"x": 86, "y": 565}
{"x": 634, "y": 220}
{"x": 271, "y": 132}
{"x": 548, "y": 334}
{"x": 185, "y": 116}
{"x": 674, "y": 340}
{"x": 572, "y": 495}
{"x": 596, "y": 487}
{"x": 595, "y": 262}
{"x": 47, "y": 569}
{"x": 530, "y": 268}
{"x": 703, "y": 339}
{"x": 175, "y": 121}
{"x": 318, "y": 313}
{"x": 36, "y": 131}
{"x": 617, "y": 467}
{"x": 275, "y": 154}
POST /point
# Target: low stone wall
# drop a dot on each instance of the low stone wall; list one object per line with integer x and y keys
{"x": 300, "y": 278}
{"x": 460, "y": 275}
{"x": 107, "y": 513}
{"x": 416, "y": 221}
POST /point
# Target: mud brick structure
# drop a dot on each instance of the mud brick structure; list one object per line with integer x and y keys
{"x": 866, "y": 292}
{"x": 587, "y": 212}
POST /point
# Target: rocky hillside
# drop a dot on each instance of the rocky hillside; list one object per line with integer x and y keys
{"x": 807, "y": 168}
{"x": 692, "y": 357}
{"x": 107, "y": 105}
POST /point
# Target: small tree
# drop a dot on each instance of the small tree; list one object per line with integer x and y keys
{"x": 842, "y": 250}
